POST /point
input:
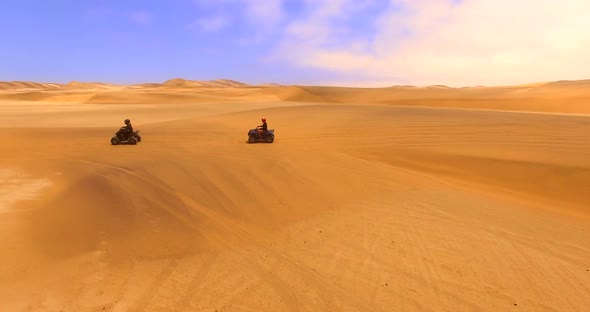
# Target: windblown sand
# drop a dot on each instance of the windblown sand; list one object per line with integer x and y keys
{"x": 394, "y": 199}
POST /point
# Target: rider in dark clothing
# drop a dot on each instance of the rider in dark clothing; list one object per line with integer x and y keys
{"x": 263, "y": 128}
{"x": 128, "y": 125}
{"x": 128, "y": 128}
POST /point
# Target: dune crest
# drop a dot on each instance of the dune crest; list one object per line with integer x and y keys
{"x": 183, "y": 83}
{"x": 554, "y": 97}
{"x": 25, "y": 85}
{"x": 77, "y": 85}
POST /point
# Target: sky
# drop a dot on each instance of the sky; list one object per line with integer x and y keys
{"x": 369, "y": 43}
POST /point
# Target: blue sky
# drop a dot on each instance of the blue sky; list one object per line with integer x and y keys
{"x": 329, "y": 42}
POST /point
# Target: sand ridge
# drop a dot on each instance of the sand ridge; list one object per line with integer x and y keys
{"x": 554, "y": 97}
{"x": 359, "y": 204}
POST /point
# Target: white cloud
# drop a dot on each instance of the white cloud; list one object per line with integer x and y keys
{"x": 470, "y": 42}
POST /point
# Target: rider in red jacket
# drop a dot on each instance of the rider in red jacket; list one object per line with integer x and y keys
{"x": 263, "y": 128}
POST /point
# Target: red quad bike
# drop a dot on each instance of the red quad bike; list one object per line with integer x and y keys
{"x": 254, "y": 136}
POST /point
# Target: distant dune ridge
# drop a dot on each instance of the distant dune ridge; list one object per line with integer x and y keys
{"x": 23, "y": 85}
{"x": 557, "y": 97}
{"x": 179, "y": 82}
{"x": 73, "y": 85}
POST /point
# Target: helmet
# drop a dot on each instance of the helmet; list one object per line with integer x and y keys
{"x": 127, "y": 121}
{"x": 263, "y": 119}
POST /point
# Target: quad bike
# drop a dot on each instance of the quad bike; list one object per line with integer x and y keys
{"x": 122, "y": 137}
{"x": 254, "y": 136}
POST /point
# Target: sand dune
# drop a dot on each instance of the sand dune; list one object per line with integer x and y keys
{"x": 77, "y": 85}
{"x": 571, "y": 97}
{"x": 179, "y": 82}
{"x": 360, "y": 204}
{"x": 24, "y": 85}
{"x": 80, "y": 85}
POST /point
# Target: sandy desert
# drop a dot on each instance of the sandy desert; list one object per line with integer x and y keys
{"x": 370, "y": 199}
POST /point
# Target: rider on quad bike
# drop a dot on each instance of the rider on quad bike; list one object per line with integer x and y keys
{"x": 126, "y": 135}
{"x": 263, "y": 128}
{"x": 128, "y": 129}
{"x": 261, "y": 133}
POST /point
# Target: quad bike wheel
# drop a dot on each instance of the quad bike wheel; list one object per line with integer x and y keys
{"x": 270, "y": 138}
{"x": 132, "y": 141}
{"x": 138, "y": 138}
{"x": 252, "y": 139}
{"x": 115, "y": 141}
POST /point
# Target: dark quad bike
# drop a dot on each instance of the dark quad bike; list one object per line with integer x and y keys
{"x": 254, "y": 136}
{"x": 121, "y": 137}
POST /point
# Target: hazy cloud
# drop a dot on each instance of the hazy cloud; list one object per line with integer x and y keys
{"x": 261, "y": 16}
{"x": 267, "y": 13}
{"x": 210, "y": 24}
{"x": 142, "y": 17}
{"x": 447, "y": 41}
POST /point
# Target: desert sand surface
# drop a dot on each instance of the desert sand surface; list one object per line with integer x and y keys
{"x": 387, "y": 199}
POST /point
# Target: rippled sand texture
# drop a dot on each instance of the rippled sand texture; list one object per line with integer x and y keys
{"x": 395, "y": 199}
